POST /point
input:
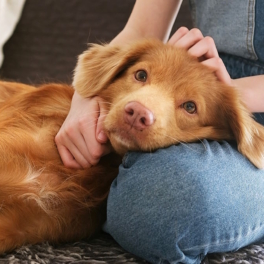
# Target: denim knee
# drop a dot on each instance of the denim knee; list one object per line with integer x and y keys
{"x": 165, "y": 206}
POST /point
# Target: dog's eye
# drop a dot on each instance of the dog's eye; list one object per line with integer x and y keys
{"x": 141, "y": 76}
{"x": 189, "y": 107}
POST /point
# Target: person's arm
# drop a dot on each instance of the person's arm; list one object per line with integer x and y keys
{"x": 252, "y": 92}
{"x": 149, "y": 18}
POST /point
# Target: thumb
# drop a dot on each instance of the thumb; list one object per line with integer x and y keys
{"x": 101, "y": 136}
{"x": 100, "y": 133}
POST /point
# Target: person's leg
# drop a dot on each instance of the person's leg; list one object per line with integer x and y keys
{"x": 180, "y": 203}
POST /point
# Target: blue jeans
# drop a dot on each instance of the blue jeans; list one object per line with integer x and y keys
{"x": 178, "y": 204}
{"x": 236, "y": 26}
{"x": 239, "y": 67}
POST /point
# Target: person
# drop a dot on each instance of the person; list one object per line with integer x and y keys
{"x": 180, "y": 203}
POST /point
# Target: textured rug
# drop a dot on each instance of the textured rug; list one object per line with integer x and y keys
{"x": 104, "y": 250}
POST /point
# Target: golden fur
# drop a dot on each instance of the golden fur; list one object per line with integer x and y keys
{"x": 40, "y": 199}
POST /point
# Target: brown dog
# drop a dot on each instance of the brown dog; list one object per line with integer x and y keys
{"x": 157, "y": 96}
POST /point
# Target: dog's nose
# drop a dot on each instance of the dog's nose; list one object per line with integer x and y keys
{"x": 138, "y": 116}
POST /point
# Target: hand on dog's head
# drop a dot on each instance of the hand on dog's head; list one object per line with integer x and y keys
{"x": 158, "y": 96}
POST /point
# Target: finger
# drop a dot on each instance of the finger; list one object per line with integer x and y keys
{"x": 204, "y": 48}
{"x": 71, "y": 138}
{"x": 67, "y": 158}
{"x": 189, "y": 39}
{"x": 85, "y": 136}
{"x": 178, "y": 35}
{"x": 99, "y": 146}
{"x": 105, "y": 146}
{"x": 218, "y": 67}
{"x": 76, "y": 153}
{"x": 100, "y": 133}
{"x": 89, "y": 146}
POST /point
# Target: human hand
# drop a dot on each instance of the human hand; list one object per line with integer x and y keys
{"x": 202, "y": 48}
{"x": 81, "y": 141}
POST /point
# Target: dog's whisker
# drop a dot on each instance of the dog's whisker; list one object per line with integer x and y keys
{"x": 108, "y": 96}
{"x": 100, "y": 113}
{"x": 198, "y": 139}
{"x": 180, "y": 142}
{"x": 105, "y": 102}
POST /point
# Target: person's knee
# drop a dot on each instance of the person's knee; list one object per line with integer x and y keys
{"x": 175, "y": 204}
{"x": 158, "y": 211}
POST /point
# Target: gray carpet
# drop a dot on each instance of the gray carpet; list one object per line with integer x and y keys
{"x": 104, "y": 249}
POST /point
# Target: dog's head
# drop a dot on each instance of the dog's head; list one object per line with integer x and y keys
{"x": 157, "y": 96}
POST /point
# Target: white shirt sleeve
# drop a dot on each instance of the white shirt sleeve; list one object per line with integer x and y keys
{"x": 10, "y": 12}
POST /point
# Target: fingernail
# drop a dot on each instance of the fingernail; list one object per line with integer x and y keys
{"x": 102, "y": 136}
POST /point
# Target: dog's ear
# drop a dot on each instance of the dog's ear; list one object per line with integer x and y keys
{"x": 96, "y": 67}
{"x": 248, "y": 133}
{"x": 100, "y": 64}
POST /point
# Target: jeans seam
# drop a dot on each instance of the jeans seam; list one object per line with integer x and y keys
{"x": 250, "y": 29}
{"x": 252, "y": 63}
{"x": 221, "y": 243}
{"x": 192, "y": 6}
{"x": 247, "y": 62}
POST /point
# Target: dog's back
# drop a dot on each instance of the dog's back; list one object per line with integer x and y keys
{"x": 40, "y": 198}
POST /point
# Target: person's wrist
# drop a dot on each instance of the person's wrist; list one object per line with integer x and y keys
{"x": 77, "y": 97}
{"x": 127, "y": 35}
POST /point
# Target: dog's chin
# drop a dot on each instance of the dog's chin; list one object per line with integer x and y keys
{"x": 123, "y": 142}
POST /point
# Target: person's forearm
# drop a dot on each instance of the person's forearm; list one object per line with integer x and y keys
{"x": 149, "y": 18}
{"x": 252, "y": 92}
